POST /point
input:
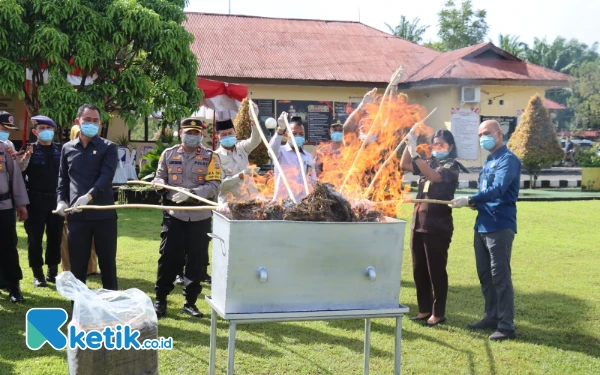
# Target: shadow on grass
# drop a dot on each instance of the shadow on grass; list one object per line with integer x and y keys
{"x": 12, "y": 329}
{"x": 547, "y": 318}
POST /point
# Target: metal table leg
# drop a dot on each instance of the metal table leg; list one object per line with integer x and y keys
{"x": 367, "y": 346}
{"x": 398, "y": 354}
{"x": 231, "y": 348}
{"x": 213, "y": 342}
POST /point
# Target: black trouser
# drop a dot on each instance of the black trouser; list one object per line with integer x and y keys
{"x": 104, "y": 234}
{"x": 183, "y": 243}
{"x": 9, "y": 257}
{"x": 430, "y": 256}
{"x": 40, "y": 217}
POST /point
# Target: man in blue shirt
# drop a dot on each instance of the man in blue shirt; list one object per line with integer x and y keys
{"x": 495, "y": 229}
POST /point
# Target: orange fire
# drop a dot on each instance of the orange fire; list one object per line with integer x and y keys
{"x": 387, "y": 121}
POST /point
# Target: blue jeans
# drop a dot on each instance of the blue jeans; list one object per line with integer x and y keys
{"x": 492, "y": 255}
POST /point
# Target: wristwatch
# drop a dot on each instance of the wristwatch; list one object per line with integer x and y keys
{"x": 416, "y": 157}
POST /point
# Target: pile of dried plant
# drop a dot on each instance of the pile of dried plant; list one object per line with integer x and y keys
{"x": 255, "y": 210}
{"x": 323, "y": 204}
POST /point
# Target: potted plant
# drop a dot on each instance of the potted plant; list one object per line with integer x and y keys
{"x": 589, "y": 160}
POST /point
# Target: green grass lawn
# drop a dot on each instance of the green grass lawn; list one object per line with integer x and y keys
{"x": 556, "y": 274}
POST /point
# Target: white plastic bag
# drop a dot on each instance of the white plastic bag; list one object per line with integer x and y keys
{"x": 97, "y": 309}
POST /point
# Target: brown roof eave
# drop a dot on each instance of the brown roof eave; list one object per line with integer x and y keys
{"x": 296, "y": 82}
{"x": 483, "y": 82}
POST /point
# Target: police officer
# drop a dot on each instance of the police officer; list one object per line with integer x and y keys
{"x": 87, "y": 169}
{"x": 12, "y": 193}
{"x": 41, "y": 179}
{"x": 184, "y": 233}
{"x": 327, "y": 153}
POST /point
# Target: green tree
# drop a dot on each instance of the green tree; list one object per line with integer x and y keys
{"x": 585, "y": 100}
{"x": 138, "y": 51}
{"x": 535, "y": 141}
{"x": 409, "y": 30}
{"x": 511, "y": 44}
{"x": 461, "y": 26}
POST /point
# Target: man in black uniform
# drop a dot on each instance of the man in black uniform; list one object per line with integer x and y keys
{"x": 87, "y": 168}
{"x": 41, "y": 179}
{"x": 12, "y": 194}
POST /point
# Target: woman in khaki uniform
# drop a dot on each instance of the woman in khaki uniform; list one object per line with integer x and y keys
{"x": 64, "y": 248}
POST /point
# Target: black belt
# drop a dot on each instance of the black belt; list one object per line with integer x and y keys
{"x": 5, "y": 196}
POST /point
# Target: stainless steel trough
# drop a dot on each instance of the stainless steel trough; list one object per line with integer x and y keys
{"x": 286, "y": 266}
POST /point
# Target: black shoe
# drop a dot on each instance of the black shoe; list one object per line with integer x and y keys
{"x": 160, "y": 308}
{"x": 15, "y": 294}
{"x": 52, "y": 272}
{"x": 38, "y": 277}
{"x": 191, "y": 310}
{"x": 179, "y": 280}
{"x": 503, "y": 334}
{"x": 207, "y": 279}
{"x": 416, "y": 319}
{"x": 442, "y": 320}
{"x": 482, "y": 324}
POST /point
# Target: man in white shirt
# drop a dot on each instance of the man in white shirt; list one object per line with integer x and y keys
{"x": 237, "y": 183}
{"x": 289, "y": 160}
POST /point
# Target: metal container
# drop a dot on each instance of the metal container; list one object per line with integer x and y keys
{"x": 285, "y": 266}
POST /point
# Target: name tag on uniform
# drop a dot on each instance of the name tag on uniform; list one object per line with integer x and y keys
{"x": 426, "y": 186}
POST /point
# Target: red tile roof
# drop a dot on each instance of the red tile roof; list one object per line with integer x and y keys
{"x": 274, "y": 48}
{"x": 549, "y": 104}
{"x": 248, "y": 47}
{"x": 484, "y": 62}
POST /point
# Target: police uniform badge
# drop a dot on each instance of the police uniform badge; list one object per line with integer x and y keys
{"x": 448, "y": 165}
{"x": 11, "y": 152}
{"x": 199, "y": 170}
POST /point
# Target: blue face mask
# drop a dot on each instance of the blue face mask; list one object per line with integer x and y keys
{"x": 190, "y": 140}
{"x": 299, "y": 140}
{"x": 337, "y": 136}
{"x": 487, "y": 142}
{"x": 228, "y": 141}
{"x": 89, "y": 129}
{"x": 3, "y": 135}
{"x": 46, "y": 135}
{"x": 440, "y": 154}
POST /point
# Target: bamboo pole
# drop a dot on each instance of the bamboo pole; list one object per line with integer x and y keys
{"x": 151, "y": 206}
{"x": 362, "y": 146}
{"x": 393, "y": 154}
{"x": 270, "y": 151}
{"x": 169, "y": 187}
{"x": 289, "y": 129}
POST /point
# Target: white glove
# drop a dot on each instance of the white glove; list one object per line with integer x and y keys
{"x": 411, "y": 143}
{"x": 368, "y": 98}
{"x": 459, "y": 202}
{"x": 251, "y": 171}
{"x": 415, "y": 128}
{"x": 61, "y": 207}
{"x": 281, "y": 121}
{"x": 154, "y": 186}
{"x": 180, "y": 197}
{"x": 81, "y": 201}
{"x": 397, "y": 79}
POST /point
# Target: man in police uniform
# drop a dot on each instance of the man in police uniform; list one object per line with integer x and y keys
{"x": 237, "y": 175}
{"x": 184, "y": 233}
{"x": 330, "y": 150}
{"x": 87, "y": 168}
{"x": 41, "y": 174}
{"x": 12, "y": 193}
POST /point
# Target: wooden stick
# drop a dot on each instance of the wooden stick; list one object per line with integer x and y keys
{"x": 289, "y": 129}
{"x": 394, "y": 154}
{"x": 270, "y": 151}
{"x": 431, "y": 201}
{"x": 362, "y": 146}
{"x": 180, "y": 190}
{"x": 151, "y": 206}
